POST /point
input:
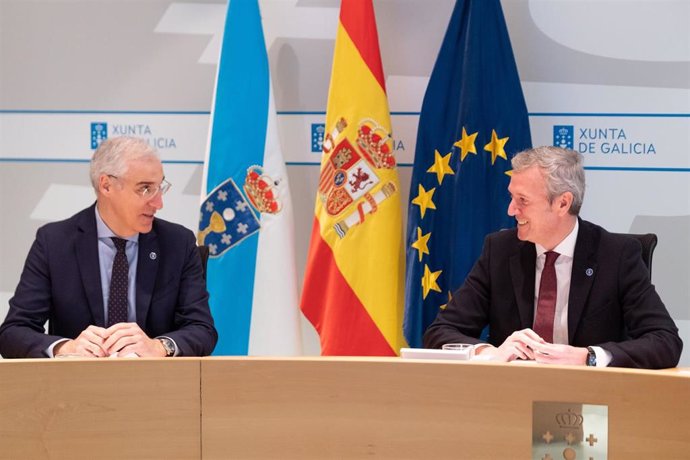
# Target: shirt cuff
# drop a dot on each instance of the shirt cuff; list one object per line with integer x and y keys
{"x": 52, "y": 346}
{"x": 604, "y": 357}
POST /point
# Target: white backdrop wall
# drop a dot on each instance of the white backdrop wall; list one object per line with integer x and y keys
{"x": 610, "y": 78}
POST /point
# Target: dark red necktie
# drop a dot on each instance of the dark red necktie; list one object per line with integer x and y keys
{"x": 117, "y": 299}
{"x": 546, "y": 303}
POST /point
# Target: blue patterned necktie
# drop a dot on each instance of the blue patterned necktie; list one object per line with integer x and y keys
{"x": 117, "y": 300}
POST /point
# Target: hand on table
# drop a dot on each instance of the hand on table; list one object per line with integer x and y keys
{"x": 125, "y": 339}
{"x": 528, "y": 345}
{"x": 553, "y": 353}
{"x": 128, "y": 338}
{"x": 519, "y": 345}
{"x": 88, "y": 344}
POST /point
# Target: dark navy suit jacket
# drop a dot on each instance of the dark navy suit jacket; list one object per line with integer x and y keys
{"x": 61, "y": 283}
{"x": 612, "y": 303}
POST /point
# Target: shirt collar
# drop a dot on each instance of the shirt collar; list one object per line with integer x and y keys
{"x": 104, "y": 232}
{"x": 565, "y": 247}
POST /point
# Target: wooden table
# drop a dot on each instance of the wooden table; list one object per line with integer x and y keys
{"x": 191, "y": 408}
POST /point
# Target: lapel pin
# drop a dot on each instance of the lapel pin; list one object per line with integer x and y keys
{"x": 589, "y": 272}
{"x": 152, "y": 255}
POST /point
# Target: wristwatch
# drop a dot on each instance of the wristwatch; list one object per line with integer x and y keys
{"x": 169, "y": 346}
{"x": 591, "y": 357}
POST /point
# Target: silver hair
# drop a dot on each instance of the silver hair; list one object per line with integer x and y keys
{"x": 113, "y": 155}
{"x": 563, "y": 171}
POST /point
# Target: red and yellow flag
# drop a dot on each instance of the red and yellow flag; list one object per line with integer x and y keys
{"x": 354, "y": 281}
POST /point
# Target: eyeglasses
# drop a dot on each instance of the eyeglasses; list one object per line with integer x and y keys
{"x": 147, "y": 191}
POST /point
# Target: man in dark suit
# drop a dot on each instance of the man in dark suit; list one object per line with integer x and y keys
{"x": 113, "y": 279}
{"x": 558, "y": 289}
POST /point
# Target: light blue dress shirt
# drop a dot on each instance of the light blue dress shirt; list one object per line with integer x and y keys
{"x": 106, "y": 254}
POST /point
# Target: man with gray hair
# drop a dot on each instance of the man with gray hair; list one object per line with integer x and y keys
{"x": 113, "y": 279}
{"x": 558, "y": 289}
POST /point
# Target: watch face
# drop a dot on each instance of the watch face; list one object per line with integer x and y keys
{"x": 591, "y": 358}
{"x": 169, "y": 348}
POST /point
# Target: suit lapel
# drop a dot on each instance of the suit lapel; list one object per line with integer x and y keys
{"x": 147, "y": 268}
{"x": 89, "y": 268}
{"x": 582, "y": 277}
{"x": 522, "y": 273}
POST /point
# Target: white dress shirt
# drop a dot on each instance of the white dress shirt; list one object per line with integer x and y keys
{"x": 564, "y": 269}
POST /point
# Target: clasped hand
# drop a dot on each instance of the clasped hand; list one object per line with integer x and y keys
{"x": 121, "y": 338}
{"x": 528, "y": 345}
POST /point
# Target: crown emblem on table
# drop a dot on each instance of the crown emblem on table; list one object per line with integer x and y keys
{"x": 563, "y": 131}
{"x": 569, "y": 420}
{"x": 377, "y": 143}
{"x": 261, "y": 190}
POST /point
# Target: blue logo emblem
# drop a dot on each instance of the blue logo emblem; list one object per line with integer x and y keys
{"x": 339, "y": 178}
{"x": 226, "y": 219}
{"x": 563, "y": 136}
{"x": 317, "y": 131}
{"x": 99, "y": 133}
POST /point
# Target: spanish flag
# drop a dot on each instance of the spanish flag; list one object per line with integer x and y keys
{"x": 354, "y": 279}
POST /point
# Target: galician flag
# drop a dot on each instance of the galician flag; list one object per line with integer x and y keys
{"x": 246, "y": 215}
{"x": 353, "y": 285}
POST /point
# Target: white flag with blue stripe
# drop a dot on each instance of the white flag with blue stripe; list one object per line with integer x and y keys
{"x": 246, "y": 215}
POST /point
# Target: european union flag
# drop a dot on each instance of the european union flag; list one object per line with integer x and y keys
{"x": 473, "y": 121}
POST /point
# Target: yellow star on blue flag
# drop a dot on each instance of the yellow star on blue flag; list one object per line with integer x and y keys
{"x": 422, "y": 243}
{"x": 496, "y": 146}
{"x": 441, "y": 166}
{"x": 466, "y": 144}
{"x": 424, "y": 199}
{"x": 429, "y": 280}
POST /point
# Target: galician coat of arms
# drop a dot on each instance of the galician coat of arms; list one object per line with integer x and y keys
{"x": 227, "y": 217}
